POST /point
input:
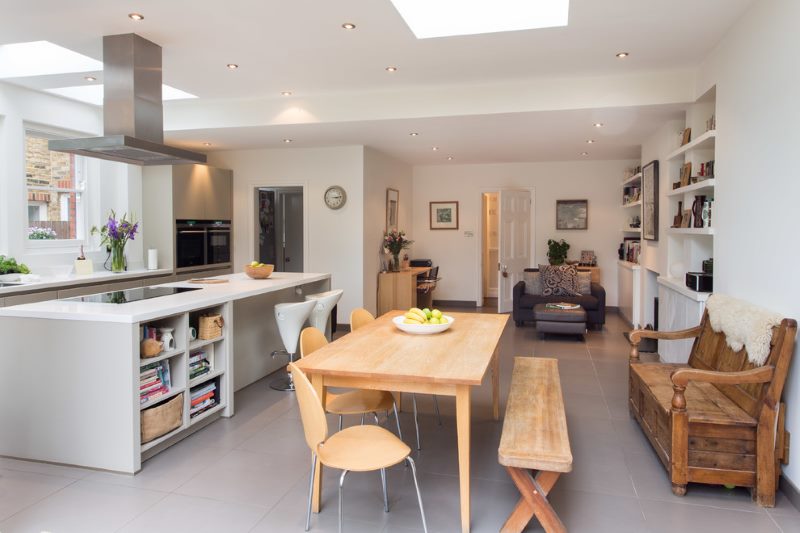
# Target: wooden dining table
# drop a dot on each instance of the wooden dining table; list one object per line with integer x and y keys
{"x": 381, "y": 357}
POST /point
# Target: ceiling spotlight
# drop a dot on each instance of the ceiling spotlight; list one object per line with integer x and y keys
{"x": 232, "y": 66}
{"x": 449, "y": 157}
{"x": 286, "y": 93}
{"x": 90, "y": 78}
{"x": 598, "y": 124}
{"x": 391, "y": 69}
{"x": 135, "y": 16}
{"x": 622, "y": 55}
{"x": 584, "y": 153}
{"x": 287, "y": 141}
{"x": 590, "y": 141}
{"x": 413, "y": 133}
{"x": 435, "y": 148}
{"x": 206, "y": 144}
{"x": 349, "y": 26}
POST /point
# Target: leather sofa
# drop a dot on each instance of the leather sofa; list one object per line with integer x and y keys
{"x": 594, "y": 303}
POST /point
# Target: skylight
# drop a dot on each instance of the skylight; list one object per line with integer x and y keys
{"x": 40, "y": 58}
{"x": 443, "y": 18}
{"x": 93, "y": 94}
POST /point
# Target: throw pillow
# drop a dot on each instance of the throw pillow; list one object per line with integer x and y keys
{"x": 533, "y": 283}
{"x": 559, "y": 280}
{"x": 585, "y": 283}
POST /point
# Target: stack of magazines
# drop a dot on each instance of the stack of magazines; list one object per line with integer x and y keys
{"x": 203, "y": 397}
{"x": 198, "y": 364}
{"x": 562, "y": 305}
{"x": 154, "y": 381}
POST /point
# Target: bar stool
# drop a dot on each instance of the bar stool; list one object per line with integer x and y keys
{"x": 290, "y": 319}
{"x": 325, "y": 301}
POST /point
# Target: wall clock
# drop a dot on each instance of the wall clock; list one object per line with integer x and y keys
{"x": 335, "y": 197}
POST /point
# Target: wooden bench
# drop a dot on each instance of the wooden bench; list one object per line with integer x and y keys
{"x": 718, "y": 419}
{"x": 534, "y": 446}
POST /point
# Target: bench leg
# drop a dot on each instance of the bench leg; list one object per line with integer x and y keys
{"x": 534, "y": 493}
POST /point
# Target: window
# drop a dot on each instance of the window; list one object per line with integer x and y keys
{"x": 55, "y": 184}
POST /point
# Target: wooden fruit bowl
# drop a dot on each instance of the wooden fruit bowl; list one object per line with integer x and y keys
{"x": 262, "y": 272}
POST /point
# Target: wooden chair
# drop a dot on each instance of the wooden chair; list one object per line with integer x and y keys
{"x": 356, "y": 402}
{"x": 718, "y": 419}
{"x": 361, "y": 317}
{"x": 535, "y": 441}
{"x": 357, "y": 448}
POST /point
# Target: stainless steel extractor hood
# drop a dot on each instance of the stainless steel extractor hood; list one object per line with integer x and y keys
{"x": 133, "y": 114}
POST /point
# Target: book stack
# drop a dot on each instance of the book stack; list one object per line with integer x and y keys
{"x": 154, "y": 381}
{"x": 562, "y": 305}
{"x": 203, "y": 398}
{"x": 198, "y": 364}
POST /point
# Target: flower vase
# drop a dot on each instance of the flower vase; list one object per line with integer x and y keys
{"x": 395, "y": 262}
{"x": 117, "y": 257}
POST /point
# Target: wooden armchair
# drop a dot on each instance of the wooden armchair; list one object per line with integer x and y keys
{"x": 717, "y": 419}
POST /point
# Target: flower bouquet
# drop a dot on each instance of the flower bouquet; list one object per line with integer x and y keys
{"x": 115, "y": 234}
{"x": 395, "y": 242}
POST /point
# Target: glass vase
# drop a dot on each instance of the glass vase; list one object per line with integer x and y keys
{"x": 395, "y": 262}
{"x": 117, "y": 257}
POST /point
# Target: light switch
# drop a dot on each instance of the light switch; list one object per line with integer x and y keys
{"x": 469, "y": 233}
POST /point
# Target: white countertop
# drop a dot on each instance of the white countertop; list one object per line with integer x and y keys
{"x": 238, "y": 286}
{"x": 59, "y": 282}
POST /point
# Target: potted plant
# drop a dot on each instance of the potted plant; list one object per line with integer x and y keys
{"x": 115, "y": 234}
{"x": 395, "y": 242}
{"x": 557, "y": 251}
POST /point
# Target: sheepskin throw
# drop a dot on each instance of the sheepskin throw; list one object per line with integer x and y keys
{"x": 744, "y": 325}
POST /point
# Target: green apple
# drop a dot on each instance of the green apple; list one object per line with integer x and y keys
{"x": 254, "y": 264}
{"x": 434, "y": 320}
{"x": 436, "y": 313}
{"x": 427, "y": 312}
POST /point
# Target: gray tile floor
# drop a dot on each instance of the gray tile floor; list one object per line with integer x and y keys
{"x": 249, "y": 473}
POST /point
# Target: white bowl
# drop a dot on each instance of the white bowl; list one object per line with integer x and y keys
{"x": 422, "y": 329}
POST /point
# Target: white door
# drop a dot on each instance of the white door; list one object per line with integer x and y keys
{"x": 515, "y": 244}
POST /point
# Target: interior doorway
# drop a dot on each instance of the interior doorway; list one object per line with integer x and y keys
{"x": 279, "y": 227}
{"x": 490, "y": 247}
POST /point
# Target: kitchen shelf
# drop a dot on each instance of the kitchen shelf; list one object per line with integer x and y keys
{"x": 699, "y": 186}
{"x": 199, "y": 343}
{"x": 161, "y": 357}
{"x": 631, "y": 230}
{"x": 632, "y": 179}
{"x": 679, "y": 286}
{"x": 691, "y": 231}
{"x": 704, "y": 142}
{"x": 170, "y": 394}
{"x": 637, "y": 203}
{"x": 205, "y": 377}
{"x": 628, "y": 265}
{"x": 155, "y": 442}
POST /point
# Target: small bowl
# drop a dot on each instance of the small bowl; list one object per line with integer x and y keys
{"x": 422, "y": 329}
{"x": 262, "y": 272}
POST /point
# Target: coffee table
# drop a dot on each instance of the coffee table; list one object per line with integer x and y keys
{"x": 561, "y": 321}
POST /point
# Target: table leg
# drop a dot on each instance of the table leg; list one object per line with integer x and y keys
{"x": 463, "y": 415}
{"x": 496, "y": 383}
{"x": 317, "y": 382}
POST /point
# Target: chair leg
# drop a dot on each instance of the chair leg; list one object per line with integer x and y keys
{"x": 377, "y": 421}
{"x": 362, "y": 419}
{"x": 397, "y": 419}
{"x": 341, "y": 484}
{"x": 419, "y": 494}
{"x": 416, "y": 419}
{"x": 385, "y": 491}
{"x": 340, "y": 422}
{"x": 436, "y": 406}
{"x": 310, "y": 489}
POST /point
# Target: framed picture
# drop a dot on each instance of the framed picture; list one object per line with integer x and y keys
{"x": 650, "y": 201}
{"x": 392, "y": 209}
{"x": 572, "y": 214}
{"x": 686, "y": 218}
{"x": 687, "y": 136}
{"x": 444, "y": 215}
{"x": 686, "y": 173}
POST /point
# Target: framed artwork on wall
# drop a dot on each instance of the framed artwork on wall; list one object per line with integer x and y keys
{"x": 392, "y": 209}
{"x": 444, "y": 215}
{"x": 650, "y": 201}
{"x": 572, "y": 214}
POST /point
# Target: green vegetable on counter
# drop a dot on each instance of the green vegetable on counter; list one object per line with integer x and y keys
{"x": 9, "y": 265}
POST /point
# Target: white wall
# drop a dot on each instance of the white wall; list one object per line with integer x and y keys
{"x": 381, "y": 172}
{"x": 459, "y": 255}
{"x": 755, "y": 243}
{"x": 333, "y": 238}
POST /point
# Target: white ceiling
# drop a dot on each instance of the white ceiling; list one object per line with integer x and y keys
{"x": 299, "y": 45}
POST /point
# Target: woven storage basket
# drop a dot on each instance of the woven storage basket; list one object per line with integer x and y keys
{"x": 161, "y": 419}
{"x": 210, "y": 327}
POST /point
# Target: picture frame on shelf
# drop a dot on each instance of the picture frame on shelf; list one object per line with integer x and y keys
{"x": 572, "y": 214}
{"x": 686, "y": 174}
{"x": 444, "y": 215}
{"x": 650, "y": 201}
{"x": 686, "y": 218}
{"x": 392, "y": 209}
{"x": 686, "y": 137}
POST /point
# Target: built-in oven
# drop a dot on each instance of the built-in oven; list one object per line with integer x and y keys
{"x": 201, "y": 243}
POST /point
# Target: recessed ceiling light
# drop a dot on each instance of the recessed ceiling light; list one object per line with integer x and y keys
{"x": 590, "y": 141}
{"x": 455, "y": 17}
{"x": 584, "y": 153}
{"x": 349, "y": 26}
{"x": 206, "y": 144}
{"x": 287, "y": 141}
{"x": 90, "y": 78}
{"x": 598, "y": 124}
{"x": 135, "y": 16}
{"x": 391, "y": 69}
{"x": 413, "y": 133}
{"x": 286, "y": 93}
{"x": 232, "y": 66}
{"x": 622, "y": 55}
{"x": 449, "y": 157}
{"x": 435, "y": 148}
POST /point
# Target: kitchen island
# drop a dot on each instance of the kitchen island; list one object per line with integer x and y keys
{"x": 71, "y": 378}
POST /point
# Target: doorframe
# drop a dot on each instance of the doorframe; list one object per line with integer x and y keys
{"x": 479, "y": 225}
{"x": 252, "y": 237}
